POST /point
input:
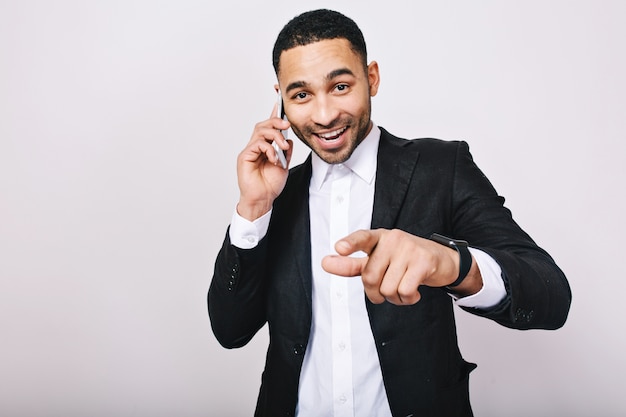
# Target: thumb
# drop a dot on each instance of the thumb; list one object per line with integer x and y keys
{"x": 361, "y": 240}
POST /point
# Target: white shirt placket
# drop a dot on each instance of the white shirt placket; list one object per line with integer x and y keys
{"x": 341, "y": 337}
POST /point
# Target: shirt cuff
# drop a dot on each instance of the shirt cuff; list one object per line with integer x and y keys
{"x": 245, "y": 234}
{"x": 493, "y": 290}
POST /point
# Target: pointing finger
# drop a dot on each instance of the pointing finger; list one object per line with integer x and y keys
{"x": 343, "y": 266}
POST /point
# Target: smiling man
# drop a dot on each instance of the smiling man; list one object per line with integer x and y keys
{"x": 327, "y": 90}
{"x": 355, "y": 258}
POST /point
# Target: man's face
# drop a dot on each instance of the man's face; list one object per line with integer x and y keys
{"x": 326, "y": 91}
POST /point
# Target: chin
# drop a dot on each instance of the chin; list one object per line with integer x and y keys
{"x": 334, "y": 158}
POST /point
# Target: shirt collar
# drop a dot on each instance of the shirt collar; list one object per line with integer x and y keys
{"x": 362, "y": 161}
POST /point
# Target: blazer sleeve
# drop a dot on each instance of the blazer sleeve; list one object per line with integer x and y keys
{"x": 538, "y": 294}
{"x": 236, "y": 296}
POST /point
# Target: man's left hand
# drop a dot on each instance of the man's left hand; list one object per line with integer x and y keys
{"x": 397, "y": 263}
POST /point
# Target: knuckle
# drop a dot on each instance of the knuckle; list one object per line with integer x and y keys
{"x": 368, "y": 281}
{"x": 388, "y": 291}
{"x": 415, "y": 298}
{"x": 260, "y": 125}
{"x": 405, "y": 292}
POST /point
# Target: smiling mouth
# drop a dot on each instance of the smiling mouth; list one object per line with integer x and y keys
{"x": 332, "y": 135}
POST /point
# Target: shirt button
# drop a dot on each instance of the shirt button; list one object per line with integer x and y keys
{"x": 342, "y": 399}
{"x": 342, "y": 346}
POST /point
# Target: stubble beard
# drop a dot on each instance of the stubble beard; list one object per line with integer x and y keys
{"x": 363, "y": 125}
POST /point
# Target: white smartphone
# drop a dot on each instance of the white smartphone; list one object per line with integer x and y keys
{"x": 281, "y": 113}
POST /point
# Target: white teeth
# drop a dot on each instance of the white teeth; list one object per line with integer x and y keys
{"x": 332, "y": 135}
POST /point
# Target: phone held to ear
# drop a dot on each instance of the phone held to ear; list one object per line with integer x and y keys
{"x": 281, "y": 113}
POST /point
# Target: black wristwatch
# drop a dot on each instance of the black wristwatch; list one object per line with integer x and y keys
{"x": 465, "y": 262}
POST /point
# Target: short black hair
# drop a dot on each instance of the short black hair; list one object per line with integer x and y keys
{"x": 317, "y": 25}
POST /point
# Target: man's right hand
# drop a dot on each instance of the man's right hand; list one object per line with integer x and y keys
{"x": 260, "y": 176}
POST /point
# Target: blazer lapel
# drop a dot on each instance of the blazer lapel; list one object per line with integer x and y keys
{"x": 302, "y": 226}
{"x": 393, "y": 176}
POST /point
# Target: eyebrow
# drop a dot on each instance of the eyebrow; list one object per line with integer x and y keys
{"x": 331, "y": 75}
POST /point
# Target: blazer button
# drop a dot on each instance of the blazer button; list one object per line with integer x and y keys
{"x": 522, "y": 315}
{"x": 298, "y": 349}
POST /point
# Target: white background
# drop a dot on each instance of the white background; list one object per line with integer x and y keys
{"x": 120, "y": 122}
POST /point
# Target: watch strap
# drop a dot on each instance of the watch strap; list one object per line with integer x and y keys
{"x": 465, "y": 257}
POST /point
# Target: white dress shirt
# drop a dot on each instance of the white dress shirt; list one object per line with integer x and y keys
{"x": 341, "y": 373}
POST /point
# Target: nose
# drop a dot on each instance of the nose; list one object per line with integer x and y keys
{"x": 325, "y": 112}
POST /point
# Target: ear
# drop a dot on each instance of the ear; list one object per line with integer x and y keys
{"x": 373, "y": 77}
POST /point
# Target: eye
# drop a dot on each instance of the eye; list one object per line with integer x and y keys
{"x": 300, "y": 96}
{"x": 342, "y": 87}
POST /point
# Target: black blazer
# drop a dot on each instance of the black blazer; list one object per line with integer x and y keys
{"x": 422, "y": 186}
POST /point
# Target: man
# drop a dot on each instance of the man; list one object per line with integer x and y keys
{"x": 341, "y": 256}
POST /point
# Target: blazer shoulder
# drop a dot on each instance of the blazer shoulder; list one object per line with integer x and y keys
{"x": 427, "y": 144}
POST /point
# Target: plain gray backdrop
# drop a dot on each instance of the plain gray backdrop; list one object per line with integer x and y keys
{"x": 120, "y": 123}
